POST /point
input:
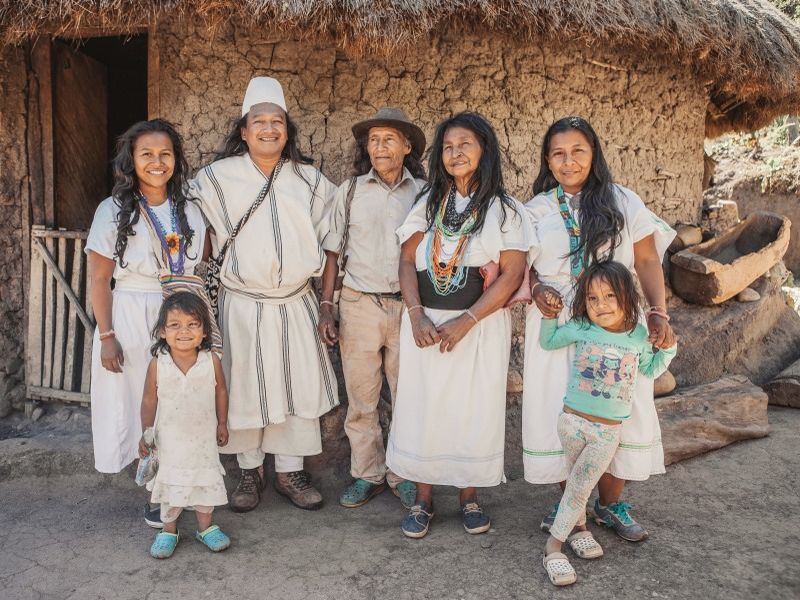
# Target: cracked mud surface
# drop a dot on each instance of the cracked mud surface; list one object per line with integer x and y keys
{"x": 719, "y": 528}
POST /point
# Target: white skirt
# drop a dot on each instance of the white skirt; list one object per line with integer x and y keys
{"x": 117, "y": 397}
{"x": 448, "y": 426}
{"x": 274, "y": 361}
{"x": 640, "y": 453}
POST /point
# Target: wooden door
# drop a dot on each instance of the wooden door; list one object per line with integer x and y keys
{"x": 80, "y": 101}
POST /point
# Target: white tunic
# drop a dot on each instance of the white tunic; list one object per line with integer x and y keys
{"x": 448, "y": 426}
{"x": 546, "y": 373}
{"x": 274, "y": 361}
{"x": 117, "y": 397}
{"x": 189, "y": 470}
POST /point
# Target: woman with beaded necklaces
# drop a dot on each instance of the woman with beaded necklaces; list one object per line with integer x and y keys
{"x": 448, "y": 426}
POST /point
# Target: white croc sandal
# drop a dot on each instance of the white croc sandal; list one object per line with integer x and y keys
{"x": 584, "y": 545}
{"x": 559, "y": 570}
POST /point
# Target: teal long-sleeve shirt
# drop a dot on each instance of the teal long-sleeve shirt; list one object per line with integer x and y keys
{"x": 606, "y": 365}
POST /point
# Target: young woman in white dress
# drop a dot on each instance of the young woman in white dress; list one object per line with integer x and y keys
{"x": 150, "y": 175}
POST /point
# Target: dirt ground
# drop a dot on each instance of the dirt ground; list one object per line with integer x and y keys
{"x": 721, "y": 527}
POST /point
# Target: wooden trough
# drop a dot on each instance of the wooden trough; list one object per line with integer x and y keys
{"x": 715, "y": 271}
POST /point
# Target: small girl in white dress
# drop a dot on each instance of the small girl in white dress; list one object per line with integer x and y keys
{"x": 186, "y": 401}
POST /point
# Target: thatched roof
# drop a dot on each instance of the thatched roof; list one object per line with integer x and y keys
{"x": 745, "y": 51}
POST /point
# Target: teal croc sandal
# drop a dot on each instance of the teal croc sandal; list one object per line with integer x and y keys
{"x": 407, "y": 492}
{"x": 359, "y": 493}
{"x": 164, "y": 544}
{"x": 214, "y": 539}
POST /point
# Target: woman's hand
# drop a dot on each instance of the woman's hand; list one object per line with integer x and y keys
{"x": 425, "y": 334}
{"x": 547, "y": 300}
{"x": 661, "y": 333}
{"x": 111, "y": 355}
{"x": 327, "y": 326}
{"x": 222, "y": 434}
{"x": 453, "y": 331}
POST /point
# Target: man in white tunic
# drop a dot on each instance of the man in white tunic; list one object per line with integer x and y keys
{"x": 279, "y": 373}
{"x": 367, "y": 210}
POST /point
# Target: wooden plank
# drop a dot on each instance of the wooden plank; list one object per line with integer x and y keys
{"x": 88, "y": 335}
{"x": 33, "y": 368}
{"x": 153, "y": 74}
{"x": 59, "y": 279}
{"x": 74, "y": 340}
{"x": 60, "y": 318}
{"x": 59, "y": 233}
{"x": 44, "y": 393}
{"x": 50, "y": 292}
{"x": 39, "y": 55}
{"x": 42, "y": 67}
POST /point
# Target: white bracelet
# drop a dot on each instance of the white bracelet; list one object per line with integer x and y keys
{"x": 323, "y": 302}
{"x": 473, "y": 317}
{"x": 410, "y": 308}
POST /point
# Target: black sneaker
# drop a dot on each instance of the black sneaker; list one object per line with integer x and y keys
{"x": 152, "y": 516}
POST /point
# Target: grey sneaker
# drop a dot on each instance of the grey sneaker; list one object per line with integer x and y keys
{"x": 549, "y": 519}
{"x": 617, "y": 517}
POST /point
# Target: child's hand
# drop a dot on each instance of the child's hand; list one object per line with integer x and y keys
{"x": 144, "y": 449}
{"x": 222, "y": 434}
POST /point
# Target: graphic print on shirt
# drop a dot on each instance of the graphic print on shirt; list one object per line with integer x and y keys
{"x": 606, "y": 371}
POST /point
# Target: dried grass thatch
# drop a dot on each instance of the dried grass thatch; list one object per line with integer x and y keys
{"x": 745, "y": 51}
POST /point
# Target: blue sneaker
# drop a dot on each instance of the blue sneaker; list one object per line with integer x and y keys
{"x": 164, "y": 544}
{"x": 360, "y": 492}
{"x": 417, "y": 521}
{"x": 617, "y": 517}
{"x": 152, "y": 516}
{"x": 213, "y": 538}
{"x": 407, "y": 492}
{"x": 474, "y": 519}
{"x": 549, "y": 519}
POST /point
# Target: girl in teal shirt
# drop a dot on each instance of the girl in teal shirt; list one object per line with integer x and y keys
{"x": 611, "y": 350}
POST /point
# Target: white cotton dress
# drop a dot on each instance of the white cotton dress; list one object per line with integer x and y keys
{"x": 640, "y": 453}
{"x": 448, "y": 425}
{"x": 117, "y": 397}
{"x": 280, "y": 378}
{"x": 189, "y": 470}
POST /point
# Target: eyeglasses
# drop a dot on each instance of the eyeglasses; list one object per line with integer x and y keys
{"x": 194, "y": 326}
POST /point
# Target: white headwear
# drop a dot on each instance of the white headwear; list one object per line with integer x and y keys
{"x": 263, "y": 89}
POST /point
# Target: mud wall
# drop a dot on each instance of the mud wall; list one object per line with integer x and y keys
{"x": 13, "y": 197}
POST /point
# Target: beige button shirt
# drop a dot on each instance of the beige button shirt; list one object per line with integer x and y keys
{"x": 373, "y": 252}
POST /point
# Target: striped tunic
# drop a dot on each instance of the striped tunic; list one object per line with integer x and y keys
{"x": 274, "y": 361}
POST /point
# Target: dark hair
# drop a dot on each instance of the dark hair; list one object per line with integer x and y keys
{"x": 486, "y": 182}
{"x": 362, "y": 163}
{"x": 188, "y": 303}
{"x": 234, "y": 145}
{"x": 601, "y": 219}
{"x": 622, "y": 284}
{"x": 126, "y": 185}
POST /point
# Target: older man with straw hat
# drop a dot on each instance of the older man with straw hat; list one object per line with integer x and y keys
{"x": 268, "y": 208}
{"x": 366, "y": 211}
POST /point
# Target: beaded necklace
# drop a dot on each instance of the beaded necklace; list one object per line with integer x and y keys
{"x": 575, "y": 259}
{"x": 172, "y": 241}
{"x": 448, "y": 277}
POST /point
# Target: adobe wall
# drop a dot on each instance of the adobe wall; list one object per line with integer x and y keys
{"x": 13, "y": 196}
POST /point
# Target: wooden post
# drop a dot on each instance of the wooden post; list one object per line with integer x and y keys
{"x": 33, "y": 369}
{"x": 40, "y": 139}
{"x": 153, "y": 74}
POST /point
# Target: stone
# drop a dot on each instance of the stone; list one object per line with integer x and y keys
{"x": 5, "y": 407}
{"x": 784, "y": 390}
{"x": 754, "y": 339}
{"x": 748, "y": 295}
{"x": 664, "y": 384}
{"x": 706, "y": 417}
{"x": 17, "y": 396}
{"x": 63, "y": 414}
{"x": 37, "y": 413}
{"x": 720, "y": 216}
{"x": 690, "y": 235}
{"x": 14, "y": 364}
{"x": 514, "y": 383}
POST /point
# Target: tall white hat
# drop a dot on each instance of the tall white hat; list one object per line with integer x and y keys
{"x": 263, "y": 89}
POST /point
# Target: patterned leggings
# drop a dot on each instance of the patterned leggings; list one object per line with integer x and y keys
{"x": 588, "y": 450}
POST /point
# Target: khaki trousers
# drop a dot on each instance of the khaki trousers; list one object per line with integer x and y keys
{"x": 369, "y": 340}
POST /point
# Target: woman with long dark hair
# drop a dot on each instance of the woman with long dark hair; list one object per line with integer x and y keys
{"x": 147, "y": 216}
{"x": 267, "y": 206}
{"x": 581, "y": 216}
{"x": 448, "y": 426}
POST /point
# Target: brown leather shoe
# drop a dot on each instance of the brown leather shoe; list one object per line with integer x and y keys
{"x": 297, "y": 487}
{"x": 247, "y": 494}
